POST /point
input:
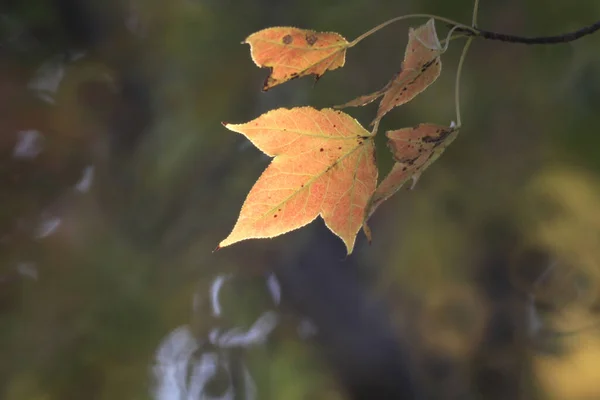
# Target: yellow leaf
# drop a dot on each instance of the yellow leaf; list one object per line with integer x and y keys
{"x": 292, "y": 53}
{"x": 323, "y": 165}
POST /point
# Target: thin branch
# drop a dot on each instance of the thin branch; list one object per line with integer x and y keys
{"x": 564, "y": 38}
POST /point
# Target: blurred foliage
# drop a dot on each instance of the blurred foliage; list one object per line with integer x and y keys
{"x": 491, "y": 266}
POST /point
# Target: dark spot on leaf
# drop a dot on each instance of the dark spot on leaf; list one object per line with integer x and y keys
{"x": 268, "y": 80}
{"x": 431, "y": 139}
{"x": 287, "y": 39}
{"x": 426, "y": 66}
{"x": 321, "y": 149}
{"x": 408, "y": 160}
{"x": 275, "y": 216}
{"x": 279, "y": 210}
{"x": 311, "y": 39}
{"x": 404, "y": 168}
{"x": 339, "y": 148}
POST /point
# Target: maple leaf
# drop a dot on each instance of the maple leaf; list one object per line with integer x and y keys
{"x": 323, "y": 165}
{"x": 292, "y": 53}
{"x": 414, "y": 149}
{"x": 420, "y": 68}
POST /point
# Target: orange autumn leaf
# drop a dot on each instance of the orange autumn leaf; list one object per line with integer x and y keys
{"x": 414, "y": 149}
{"x": 420, "y": 68}
{"x": 323, "y": 165}
{"x": 292, "y": 53}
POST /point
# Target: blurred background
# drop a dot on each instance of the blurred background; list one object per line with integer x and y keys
{"x": 117, "y": 181}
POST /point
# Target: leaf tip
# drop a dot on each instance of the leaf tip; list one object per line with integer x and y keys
{"x": 415, "y": 179}
{"x": 247, "y": 40}
{"x": 367, "y": 232}
{"x": 317, "y": 77}
{"x": 349, "y": 246}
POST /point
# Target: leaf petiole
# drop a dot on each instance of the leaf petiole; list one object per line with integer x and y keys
{"x": 449, "y": 39}
{"x": 457, "y": 83}
{"x": 475, "y": 12}
{"x": 409, "y": 16}
{"x": 446, "y": 42}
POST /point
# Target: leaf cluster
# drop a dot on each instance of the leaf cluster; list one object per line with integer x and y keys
{"x": 324, "y": 160}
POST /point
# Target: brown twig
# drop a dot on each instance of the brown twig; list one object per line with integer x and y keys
{"x": 556, "y": 39}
